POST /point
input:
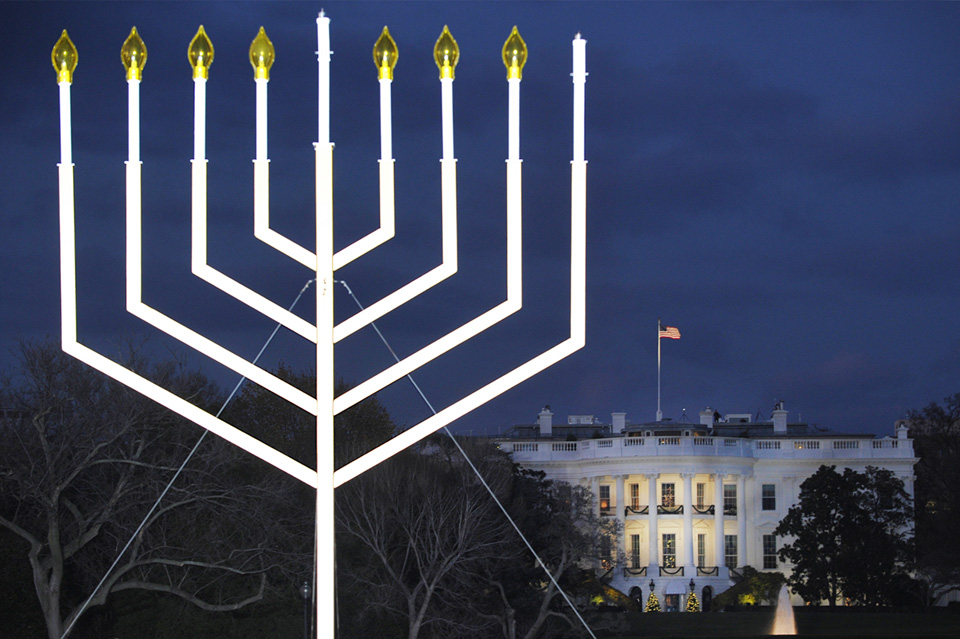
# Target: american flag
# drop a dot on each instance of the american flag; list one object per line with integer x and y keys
{"x": 669, "y": 332}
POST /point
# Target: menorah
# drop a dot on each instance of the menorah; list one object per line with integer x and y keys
{"x": 324, "y": 260}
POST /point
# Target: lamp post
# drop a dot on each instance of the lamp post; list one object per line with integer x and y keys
{"x": 305, "y": 592}
{"x": 693, "y": 584}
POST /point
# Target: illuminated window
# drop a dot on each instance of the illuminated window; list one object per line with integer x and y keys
{"x": 634, "y": 551}
{"x": 669, "y": 550}
{"x": 668, "y": 495}
{"x": 701, "y": 492}
{"x": 635, "y": 496}
{"x": 701, "y": 550}
{"x": 605, "y": 499}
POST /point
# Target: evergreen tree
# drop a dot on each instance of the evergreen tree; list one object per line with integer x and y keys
{"x": 653, "y": 604}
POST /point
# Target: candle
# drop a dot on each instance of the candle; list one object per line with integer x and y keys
{"x": 579, "y": 80}
{"x": 514, "y": 57}
{"x": 446, "y": 54}
{"x": 323, "y": 78}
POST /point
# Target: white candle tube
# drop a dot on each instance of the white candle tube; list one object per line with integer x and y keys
{"x": 66, "y": 145}
{"x": 199, "y": 118}
{"x": 386, "y": 127}
{"x": 579, "y": 80}
{"x": 261, "y": 118}
{"x": 514, "y": 120}
{"x": 446, "y": 112}
{"x": 133, "y": 120}
{"x": 323, "y": 72}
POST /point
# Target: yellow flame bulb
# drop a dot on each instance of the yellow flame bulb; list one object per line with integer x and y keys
{"x": 514, "y": 55}
{"x": 446, "y": 53}
{"x": 64, "y": 58}
{"x": 200, "y": 54}
{"x": 262, "y": 55}
{"x": 385, "y": 55}
{"x": 133, "y": 55}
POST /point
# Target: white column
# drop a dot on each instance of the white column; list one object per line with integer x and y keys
{"x": 688, "y": 559}
{"x": 718, "y": 523}
{"x": 750, "y": 556}
{"x": 653, "y": 555}
{"x": 595, "y": 489}
{"x": 741, "y": 521}
{"x": 620, "y": 499}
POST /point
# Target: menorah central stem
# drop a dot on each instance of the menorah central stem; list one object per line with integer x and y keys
{"x": 325, "y": 550}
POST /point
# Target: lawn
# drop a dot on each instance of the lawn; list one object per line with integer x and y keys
{"x": 757, "y": 623}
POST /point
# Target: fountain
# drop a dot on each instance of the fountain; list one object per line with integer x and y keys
{"x": 783, "y": 623}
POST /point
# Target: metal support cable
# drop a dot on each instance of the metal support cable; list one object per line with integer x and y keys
{"x": 503, "y": 508}
{"x": 189, "y": 456}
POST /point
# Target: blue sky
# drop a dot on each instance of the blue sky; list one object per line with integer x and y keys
{"x": 777, "y": 180}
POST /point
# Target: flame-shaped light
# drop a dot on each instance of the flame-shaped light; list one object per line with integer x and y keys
{"x": 133, "y": 55}
{"x": 262, "y": 55}
{"x": 200, "y": 54}
{"x": 385, "y": 55}
{"x": 514, "y": 55}
{"x": 64, "y": 58}
{"x": 446, "y": 53}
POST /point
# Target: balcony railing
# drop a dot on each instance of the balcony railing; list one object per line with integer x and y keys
{"x": 671, "y": 572}
{"x": 640, "y": 571}
{"x": 669, "y": 510}
{"x": 712, "y": 571}
{"x": 639, "y": 510}
{"x": 704, "y": 510}
{"x": 698, "y": 446}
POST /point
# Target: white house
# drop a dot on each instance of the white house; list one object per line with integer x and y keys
{"x": 696, "y": 500}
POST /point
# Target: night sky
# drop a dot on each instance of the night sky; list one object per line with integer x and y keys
{"x": 779, "y": 181}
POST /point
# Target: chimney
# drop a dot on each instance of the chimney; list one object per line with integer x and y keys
{"x": 779, "y": 418}
{"x": 545, "y": 421}
{"x": 707, "y": 417}
{"x": 618, "y": 421}
{"x": 902, "y": 430}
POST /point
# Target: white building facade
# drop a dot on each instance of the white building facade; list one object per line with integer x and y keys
{"x": 696, "y": 501}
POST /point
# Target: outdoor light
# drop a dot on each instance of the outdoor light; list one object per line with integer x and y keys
{"x": 385, "y": 55}
{"x": 324, "y": 333}
{"x": 64, "y": 57}
{"x": 261, "y": 55}
{"x": 133, "y": 55}
{"x": 514, "y": 55}
{"x": 446, "y": 53}
{"x": 652, "y": 585}
{"x": 692, "y": 584}
{"x": 200, "y": 54}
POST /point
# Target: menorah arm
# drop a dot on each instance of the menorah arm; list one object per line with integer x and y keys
{"x": 71, "y": 345}
{"x": 448, "y": 266}
{"x": 519, "y": 374}
{"x": 228, "y": 285}
{"x": 474, "y": 327}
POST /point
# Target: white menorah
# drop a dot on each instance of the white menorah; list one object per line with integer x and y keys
{"x": 325, "y": 334}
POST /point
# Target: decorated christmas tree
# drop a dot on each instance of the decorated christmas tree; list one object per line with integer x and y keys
{"x": 653, "y": 604}
{"x": 693, "y": 605}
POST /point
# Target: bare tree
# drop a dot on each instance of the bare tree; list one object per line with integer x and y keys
{"x": 424, "y": 534}
{"x": 560, "y": 521}
{"x": 83, "y": 459}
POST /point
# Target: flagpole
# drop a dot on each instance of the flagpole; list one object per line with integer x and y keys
{"x": 659, "y": 414}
